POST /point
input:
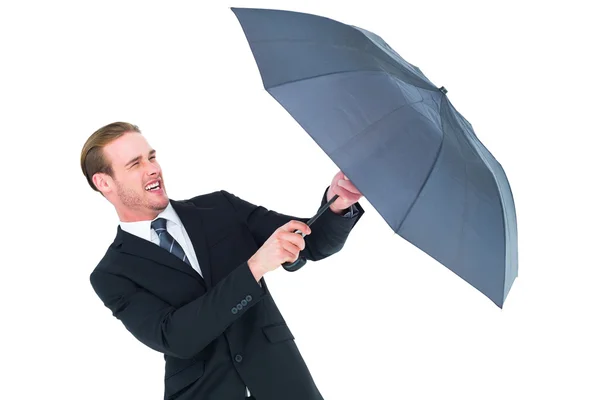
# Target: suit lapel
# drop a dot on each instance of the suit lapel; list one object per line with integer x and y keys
{"x": 191, "y": 218}
{"x": 192, "y": 221}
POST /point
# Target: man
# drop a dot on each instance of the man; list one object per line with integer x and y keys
{"x": 186, "y": 278}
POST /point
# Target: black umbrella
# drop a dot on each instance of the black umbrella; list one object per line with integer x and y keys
{"x": 396, "y": 136}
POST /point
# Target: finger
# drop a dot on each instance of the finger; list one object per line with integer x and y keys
{"x": 293, "y": 225}
{"x": 349, "y": 186}
{"x": 345, "y": 194}
{"x": 294, "y": 238}
{"x": 339, "y": 175}
{"x": 292, "y": 251}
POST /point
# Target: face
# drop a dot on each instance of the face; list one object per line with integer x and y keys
{"x": 136, "y": 189}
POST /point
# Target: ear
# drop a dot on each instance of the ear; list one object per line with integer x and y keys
{"x": 103, "y": 182}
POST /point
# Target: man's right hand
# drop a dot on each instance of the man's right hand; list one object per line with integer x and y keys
{"x": 282, "y": 246}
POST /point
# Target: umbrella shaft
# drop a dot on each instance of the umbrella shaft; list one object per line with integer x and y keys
{"x": 322, "y": 210}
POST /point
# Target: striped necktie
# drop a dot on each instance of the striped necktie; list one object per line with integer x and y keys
{"x": 167, "y": 241}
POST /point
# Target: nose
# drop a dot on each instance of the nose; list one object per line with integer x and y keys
{"x": 152, "y": 168}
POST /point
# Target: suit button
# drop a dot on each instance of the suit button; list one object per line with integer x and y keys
{"x": 238, "y": 358}
{"x": 248, "y": 298}
{"x": 234, "y": 310}
{"x": 244, "y": 303}
{"x": 239, "y": 306}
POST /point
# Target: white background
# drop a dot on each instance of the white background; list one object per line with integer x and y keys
{"x": 380, "y": 319}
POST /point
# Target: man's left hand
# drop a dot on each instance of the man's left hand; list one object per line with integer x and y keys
{"x": 347, "y": 192}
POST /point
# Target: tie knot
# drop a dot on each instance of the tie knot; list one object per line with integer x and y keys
{"x": 159, "y": 224}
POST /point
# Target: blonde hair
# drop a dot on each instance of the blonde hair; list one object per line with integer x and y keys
{"x": 92, "y": 154}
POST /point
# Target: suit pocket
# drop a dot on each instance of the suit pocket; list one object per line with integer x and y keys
{"x": 278, "y": 333}
{"x": 179, "y": 375}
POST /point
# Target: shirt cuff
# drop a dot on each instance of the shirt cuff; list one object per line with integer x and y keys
{"x": 350, "y": 214}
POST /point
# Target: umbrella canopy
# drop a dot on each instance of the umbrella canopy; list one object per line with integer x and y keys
{"x": 396, "y": 136}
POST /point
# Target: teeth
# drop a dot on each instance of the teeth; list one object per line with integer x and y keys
{"x": 152, "y": 186}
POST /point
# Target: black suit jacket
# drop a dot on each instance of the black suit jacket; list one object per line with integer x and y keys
{"x": 222, "y": 332}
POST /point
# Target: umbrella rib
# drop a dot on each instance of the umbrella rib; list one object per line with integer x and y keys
{"x": 372, "y": 125}
{"x": 437, "y": 157}
{"x": 349, "y": 72}
{"x": 393, "y": 64}
{"x": 321, "y": 75}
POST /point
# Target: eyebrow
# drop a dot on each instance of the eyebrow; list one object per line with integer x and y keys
{"x": 138, "y": 158}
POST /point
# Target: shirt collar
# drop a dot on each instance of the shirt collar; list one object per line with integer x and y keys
{"x": 143, "y": 229}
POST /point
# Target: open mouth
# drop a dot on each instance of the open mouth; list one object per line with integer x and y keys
{"x": 153, "y": 187}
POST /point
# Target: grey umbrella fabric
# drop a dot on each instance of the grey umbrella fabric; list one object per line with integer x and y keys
{"x": 396, "y": 136}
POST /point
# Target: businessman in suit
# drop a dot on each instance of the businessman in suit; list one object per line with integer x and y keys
{"x": 186, "y": 278}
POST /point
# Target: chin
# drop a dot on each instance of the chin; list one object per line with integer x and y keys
{"x": 164, "y": 202}
{"x": 160, "y": 204}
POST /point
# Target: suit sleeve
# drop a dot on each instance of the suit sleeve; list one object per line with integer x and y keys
{"x": 328, "y": 233}
{"x": 180, "y": 332}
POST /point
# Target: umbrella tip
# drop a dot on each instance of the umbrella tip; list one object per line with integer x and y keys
{"x": 443, "y": 90}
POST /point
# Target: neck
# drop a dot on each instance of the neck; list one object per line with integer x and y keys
{"x": 137, "y": 215}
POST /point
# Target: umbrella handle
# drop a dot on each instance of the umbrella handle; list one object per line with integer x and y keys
{"x": 300, "y": 261}
{"x": 295, "y": 266}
